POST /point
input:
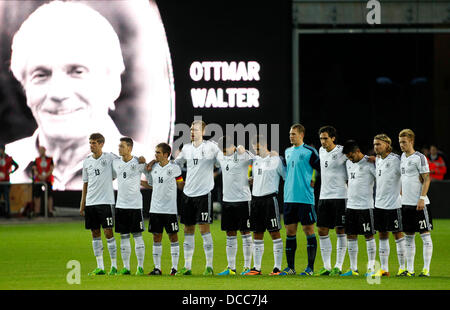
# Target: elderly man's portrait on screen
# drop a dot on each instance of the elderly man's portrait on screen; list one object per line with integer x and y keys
{"x": 90, "y": 66}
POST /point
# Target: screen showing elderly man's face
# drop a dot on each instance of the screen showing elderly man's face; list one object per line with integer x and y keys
{"x": 65, "y": 90}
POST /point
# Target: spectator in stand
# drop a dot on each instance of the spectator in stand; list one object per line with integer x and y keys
{"x": 426, "y": 151}
{"x": 437, "y": 165}
{"x": 6, "y": 164}
{"x": 42, "y": 172}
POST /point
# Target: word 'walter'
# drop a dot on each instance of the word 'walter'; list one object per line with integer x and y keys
{"x": 230, "y": 98}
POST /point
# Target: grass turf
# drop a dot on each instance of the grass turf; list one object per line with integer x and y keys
{"x": 35, "y": 257}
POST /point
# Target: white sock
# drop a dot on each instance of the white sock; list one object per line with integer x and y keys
{"x": 371, "y": 253}
{"x": 139, "y": 248}
{"x": 97, "y": 246}
{"x": 175, "y": 253}
{"x": 400, "y": 244}
{"x": 384, "y": 254}
{"x": 410, "y": 246}
{"x": 258, "y": 251}
{"x": 247, "y": 244}
{"x": 188, "y": 247}
{"x": 231, "y": 249}
{"x": 208, "y": 247}
{"x": 427, "y": 250}
{"x": 125, "y": 250}
{"x": 277, "y": 253}
{"x": 157, "y": 253}
{"x": 325, "y": 251}
{"x": 112, "y": 248}
{"x": 341, "y": 249}
{"x": 353, "y": 253}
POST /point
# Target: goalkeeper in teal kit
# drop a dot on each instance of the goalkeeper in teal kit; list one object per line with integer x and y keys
{"x": 301, "y": 160}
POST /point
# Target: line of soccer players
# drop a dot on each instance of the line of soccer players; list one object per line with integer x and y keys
{"x": 347, "y": 202}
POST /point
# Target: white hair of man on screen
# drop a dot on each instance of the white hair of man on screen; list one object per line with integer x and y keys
{"x": 68, "y": 59}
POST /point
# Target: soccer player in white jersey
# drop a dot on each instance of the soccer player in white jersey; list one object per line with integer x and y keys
{"x": 264, "y": 210}
{"x": 359, "y": 212}
{"x": 200, "y": 157}
{"x": 163, "y": 180}
{"x": 332, "y": 200}
{"x": 416, "y": 213}
{"x": 388, "y": 205}
{"x": 236, "y": 202}
{"x": 97, "y": 200}
{"x": 128, "y": 212}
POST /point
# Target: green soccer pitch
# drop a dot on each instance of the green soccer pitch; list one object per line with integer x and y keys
{"x": 35, "y": 256}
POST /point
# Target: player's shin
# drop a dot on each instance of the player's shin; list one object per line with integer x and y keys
{"x": 112, "y": 249}
{"x": 125, "y": 250}
{"x": 208, "y": 248}
{"x": 427, "y": 250}
{"x": 157, "y": 253}
{"x": 325, "y": 250}
{"x": 97, "y": 246}
{"x": 384, "y": 251}
{"x": 410, "y": 252}
{"x": 231, "y": 250}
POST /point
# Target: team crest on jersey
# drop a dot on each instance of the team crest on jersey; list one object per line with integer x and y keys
{"x": 133, "y": 167}
{"x": 334, "y": 157}
{"x": 410, "y": 163}
{"x": 43, "y": 164}
{"x": 387, "y": 165}
{"x": 169, "y": 172}
{"x": 103, "y": 162}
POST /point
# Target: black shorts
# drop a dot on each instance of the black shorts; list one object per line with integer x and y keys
{"x": 388, "y": 220}
{"x": 265, "y": 214}
{"x": 98, "y": 215}
{"x": 359, "y": 222}
{"x": 129, "y": 221}
{"x": 416, "y": 221}
{"x": 235, "y": 216}
{"x": 158, "y": 221}
{"x": 38, "y": 189}
{"x": 331, "y": 213}
{"x": 197, "y": 210}
{"x": 299, "y": 212}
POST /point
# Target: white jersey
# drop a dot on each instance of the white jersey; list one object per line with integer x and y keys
{"x": 98, "y": 174}
{"x": 129, "y": 183}
{"x": 388, "y": 182}
{"x": 266, "y": 175}
{"x": 412, "y": 167}
{"x": 235, "y": 176}
{"x": 164, "y": 193}
{"x": 333, "y": 172}
{"x": 200, "y": 162}
{"x": 361, "y": 180}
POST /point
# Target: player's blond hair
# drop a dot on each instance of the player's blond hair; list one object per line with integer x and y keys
{"x": 385, "y": 138}
{"x": 407, "y": 133}
{"x": 199, "y": 122}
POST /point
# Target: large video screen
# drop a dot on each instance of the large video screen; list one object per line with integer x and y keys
{"x": 142, "y": 69}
